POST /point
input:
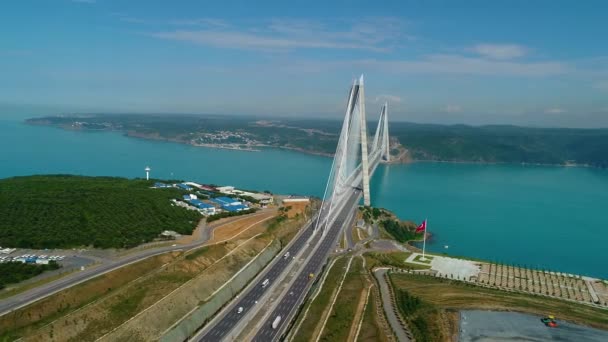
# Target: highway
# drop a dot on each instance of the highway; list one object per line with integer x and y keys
{"x": 301, "y": 285}
{"x": 249, "y": 299}
{"x": 20, "y": 300}
{"x": 298, "y": 289}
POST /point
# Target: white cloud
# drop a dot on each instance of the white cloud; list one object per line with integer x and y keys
{"x": 555, "y": 110}
{"x": 377, "y": 34}
{"x": 456, "y": 64}
{"x": 499, "y": 51}
{"x": 205, "y": 22}
{"x": 387, "y": 98}
{"x": 452, "y": 108}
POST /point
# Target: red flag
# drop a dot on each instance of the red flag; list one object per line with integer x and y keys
{"x": 422, "y": 227}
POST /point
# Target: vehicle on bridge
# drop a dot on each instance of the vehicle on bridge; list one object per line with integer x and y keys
{"x": 276, "y": 322}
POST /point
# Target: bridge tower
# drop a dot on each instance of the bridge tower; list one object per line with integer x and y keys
{"x": 364, "y": 156}
{"x": 355, "y": 160}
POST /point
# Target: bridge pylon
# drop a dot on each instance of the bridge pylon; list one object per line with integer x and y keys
{"x": 355, "y": 160}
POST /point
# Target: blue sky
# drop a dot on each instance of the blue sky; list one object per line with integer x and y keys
{"x": 542, "y": 63}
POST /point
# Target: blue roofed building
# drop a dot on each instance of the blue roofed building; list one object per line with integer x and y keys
{"x": 226, "y": 201}
{"x": 184, "y": 186}
{"x": 234, "y": 208}
{"x": 204, "y": 208}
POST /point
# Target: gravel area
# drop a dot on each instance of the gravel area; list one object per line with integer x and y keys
{"x": 482, "y": 326}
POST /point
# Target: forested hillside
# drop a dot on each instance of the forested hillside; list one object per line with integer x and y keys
{"x": 71, "y": 211}
{"x": 458, "y": 143}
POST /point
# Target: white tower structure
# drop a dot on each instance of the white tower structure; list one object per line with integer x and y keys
{"x": 355, "y": 160}
{"x": 364, "y": 161}
{"x": 148, "y": 169}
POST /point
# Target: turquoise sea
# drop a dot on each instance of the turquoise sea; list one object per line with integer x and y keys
{"x": 549, "y": 217}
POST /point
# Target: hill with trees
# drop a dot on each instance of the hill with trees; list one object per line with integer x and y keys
{"x": 64, "y": 211}
{"x": 427, "y": 142}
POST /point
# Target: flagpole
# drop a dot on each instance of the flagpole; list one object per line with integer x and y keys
{"x": 424, "y": 238}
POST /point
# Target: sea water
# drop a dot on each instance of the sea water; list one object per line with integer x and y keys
{"x": 539, "y": 216}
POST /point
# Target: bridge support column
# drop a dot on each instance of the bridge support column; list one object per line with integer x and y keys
{"x": 364, "y": 160}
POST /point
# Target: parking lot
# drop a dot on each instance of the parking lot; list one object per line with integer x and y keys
{"x": 68, "y": 259}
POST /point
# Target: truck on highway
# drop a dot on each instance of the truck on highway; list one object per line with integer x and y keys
{"x": 276, "y": 322}
{"x": 265, "y": 283}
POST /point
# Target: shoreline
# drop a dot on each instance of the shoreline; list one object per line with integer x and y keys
{"x": 253, "y": 148}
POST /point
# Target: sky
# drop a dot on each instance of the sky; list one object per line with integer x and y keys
{"x": 534, "y": 63}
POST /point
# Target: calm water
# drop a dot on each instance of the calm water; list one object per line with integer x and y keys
{"x": 548, "y": 217}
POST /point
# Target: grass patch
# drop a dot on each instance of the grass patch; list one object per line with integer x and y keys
{"x": 318, "y": 306}
{"x": 447, "y": 294}
{"x": 22, "y": 288}
{"x": 395, "y": 259}
{"x": 370, "y": 328}
{"x": 427, "y": 259}
{"x": 26, "y": 320}
{"x": 341, "y": 318}
{"x": 196, "y": 253}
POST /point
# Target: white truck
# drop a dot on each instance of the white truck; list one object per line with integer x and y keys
{"x": 265, "y": 283}
{"x": 276, "y": 322}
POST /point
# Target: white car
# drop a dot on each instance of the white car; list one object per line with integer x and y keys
{"x": 240, "y": 309}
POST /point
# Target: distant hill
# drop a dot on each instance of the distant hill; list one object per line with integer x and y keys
{"x": 452, "y": 143}
{"x": 72, "y": 211}
{"x": 504, "y": 144}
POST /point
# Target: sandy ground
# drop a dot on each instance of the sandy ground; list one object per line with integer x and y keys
{"x": 234, "y": 229}
{"x": 482, "y": 326}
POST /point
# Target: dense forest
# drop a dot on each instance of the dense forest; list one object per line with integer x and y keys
{"x": 461, "y": 143}
{"x": 71, "y": 211}
{"x": 14, "y": 272}
{"x": 401, "y": 231}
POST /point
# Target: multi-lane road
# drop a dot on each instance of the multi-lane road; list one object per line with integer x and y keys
{"x": 247, "y": 302}
{"x": 299, "y": 288}
{"x": 223, "y": 326}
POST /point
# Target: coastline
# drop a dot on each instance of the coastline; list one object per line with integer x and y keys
{"x": 254, "y": 148}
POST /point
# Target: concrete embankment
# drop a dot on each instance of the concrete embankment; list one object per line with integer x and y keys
{"x": 188, "y": 325}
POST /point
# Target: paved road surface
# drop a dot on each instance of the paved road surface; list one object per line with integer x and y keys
{"x": 387, "y": 304}
{"x": 482, "y": 326}
{"x": 248, "y": 300}
{"x": 301, "y": 285}
{"x": 30, "y": 296}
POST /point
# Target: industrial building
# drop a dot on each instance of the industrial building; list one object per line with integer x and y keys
{"x": 263, "y": 198}
{"x": 184, "y": 186}
{"x": 226, "y": 201}
{"x": 233, "y": 208}
{"x": 204, "y": 208}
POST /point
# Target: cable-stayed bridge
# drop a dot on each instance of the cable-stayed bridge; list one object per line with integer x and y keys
{"x": 354, "y": 163}
{"x": 355, "y": 160}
